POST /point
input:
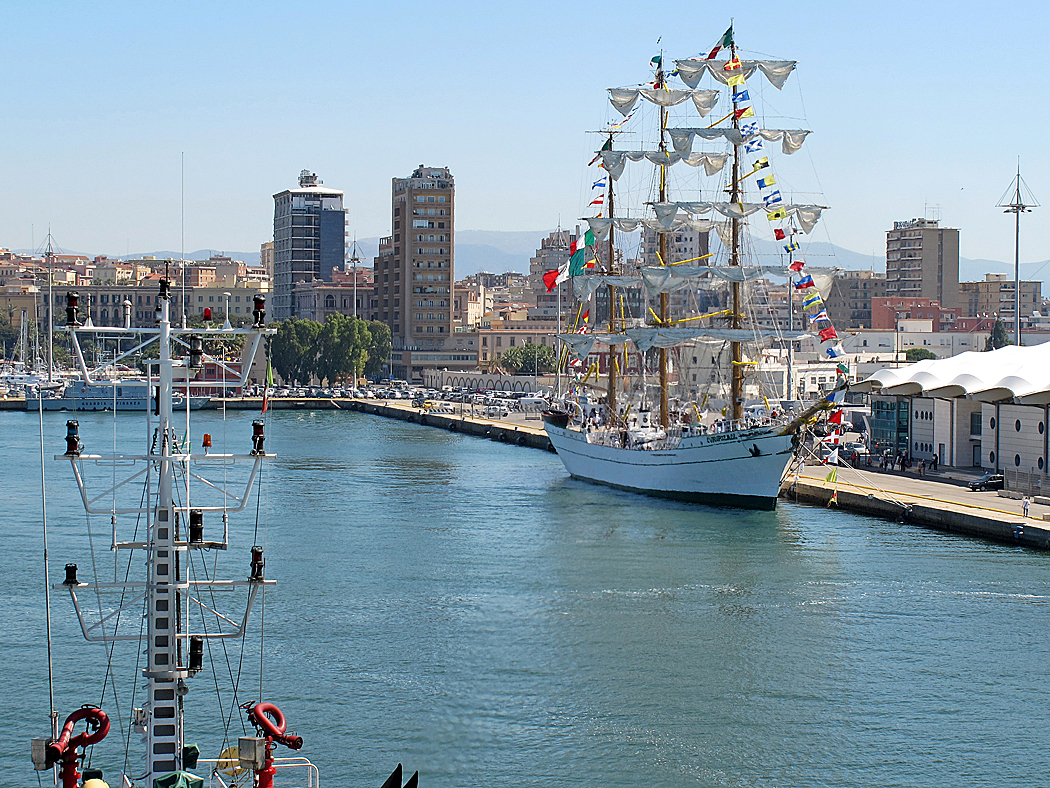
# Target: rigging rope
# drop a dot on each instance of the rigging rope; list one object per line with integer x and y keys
{"x": 52, "y": 714}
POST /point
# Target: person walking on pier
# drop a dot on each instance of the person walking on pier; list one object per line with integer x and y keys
{"x": 1025, "y": 504}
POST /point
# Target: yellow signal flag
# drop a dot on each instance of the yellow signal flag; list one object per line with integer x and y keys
{"x": 735, "y": 81}
{"x": 779, "y": 213}
{"x": 761, "y": 164}
{"x": 746, "y": 112}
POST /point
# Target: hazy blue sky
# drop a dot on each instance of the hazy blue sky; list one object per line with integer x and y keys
{"x": 912, "y": 104}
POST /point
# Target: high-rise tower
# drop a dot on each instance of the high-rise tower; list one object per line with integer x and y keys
{"x": 414, "y": 269}
{"x": 922, "y": 261}
{"x": 309, "y": 234}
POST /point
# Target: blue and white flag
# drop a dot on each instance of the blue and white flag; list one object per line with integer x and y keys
{"x": 836, "y": 351}
{"x": 821, "y": 315}
{"x": 772, "y": 198}
{"x": 740, "y": 95}
{"x": 753, "y": 145}
{"x": 599, "y": 184}
{"x": 749, "y": 129}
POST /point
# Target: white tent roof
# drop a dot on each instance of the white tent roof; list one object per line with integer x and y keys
{"x": 1021, "y": 373}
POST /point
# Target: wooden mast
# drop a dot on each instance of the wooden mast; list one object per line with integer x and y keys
{"x": 611, "y": 263}
{"x": 664, "y": 416}
{"x": 737, "y": 377}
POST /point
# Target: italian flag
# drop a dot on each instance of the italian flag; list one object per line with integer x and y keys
{"x": 555, "y": 277}
{"x": 578, "y": 253}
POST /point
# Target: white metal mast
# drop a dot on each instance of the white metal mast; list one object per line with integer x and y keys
{"x": 174, "y": 651}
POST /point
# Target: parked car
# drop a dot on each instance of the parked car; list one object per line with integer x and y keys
{"x": 990, "y": 481}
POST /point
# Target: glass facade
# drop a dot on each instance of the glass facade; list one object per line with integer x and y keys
{"x": 889, "y": 425}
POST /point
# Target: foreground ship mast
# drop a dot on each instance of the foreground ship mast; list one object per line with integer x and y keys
{"x": 176, "y": 605}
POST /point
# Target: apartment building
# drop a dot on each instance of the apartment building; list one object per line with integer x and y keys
{"x": 922, "y": 261}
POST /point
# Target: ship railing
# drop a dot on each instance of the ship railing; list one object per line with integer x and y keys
{"x": 622, "y": 439}
{"x": 313, "y": 774}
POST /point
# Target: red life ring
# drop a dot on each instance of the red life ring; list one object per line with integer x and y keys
{"x": 270, "y": 720}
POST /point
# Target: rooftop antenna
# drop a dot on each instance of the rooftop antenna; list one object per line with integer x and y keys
{"x": 1017, "y": 199}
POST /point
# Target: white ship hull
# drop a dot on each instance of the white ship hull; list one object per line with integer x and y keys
{"x": 101, "y": 403}
{"x": 743, "y": 468}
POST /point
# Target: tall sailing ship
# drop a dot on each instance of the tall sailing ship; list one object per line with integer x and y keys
{"x": 679, "y": 447}
{"x": 170, "y": 502}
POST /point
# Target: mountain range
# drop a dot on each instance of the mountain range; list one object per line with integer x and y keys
{"x": 497, "y": 251}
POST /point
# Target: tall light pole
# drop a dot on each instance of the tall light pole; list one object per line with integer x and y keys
{"x": 1019, "y": 203}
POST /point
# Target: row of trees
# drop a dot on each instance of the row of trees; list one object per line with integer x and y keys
{"x": 340, "y": 348}
{"x": 528, "y": 359}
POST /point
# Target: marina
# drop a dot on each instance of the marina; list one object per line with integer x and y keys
{"x": 463, "y": 606}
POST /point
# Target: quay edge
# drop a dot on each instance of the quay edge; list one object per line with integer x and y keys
{"x": 1000, "y": 527}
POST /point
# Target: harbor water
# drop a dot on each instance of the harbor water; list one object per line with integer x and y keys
{"x": 463, "y": 607}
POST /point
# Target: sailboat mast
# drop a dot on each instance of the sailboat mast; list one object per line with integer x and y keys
{"x": 611, "y": 263}
{"x": 664, "y": 416}
{"x": 50, "y": 309}
{"x": 737, "y": 379}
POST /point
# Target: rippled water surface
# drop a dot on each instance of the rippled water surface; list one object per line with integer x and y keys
{"x": 463, "y": 607}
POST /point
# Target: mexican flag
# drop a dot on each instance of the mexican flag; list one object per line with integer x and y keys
{"x": 578, "y": 253}
{"x": 725, "y": 41}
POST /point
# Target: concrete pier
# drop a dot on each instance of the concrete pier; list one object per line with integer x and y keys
{"x": 511, "y": 430}
{"x": 946, "y": 505}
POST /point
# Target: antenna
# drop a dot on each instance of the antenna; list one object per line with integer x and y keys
{"x": 182, "y": 252}
{"x": 1017, "y": 199}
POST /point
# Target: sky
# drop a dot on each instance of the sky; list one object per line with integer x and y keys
{"x": 917, "y": 110}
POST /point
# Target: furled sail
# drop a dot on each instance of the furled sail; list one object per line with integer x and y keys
{"x": 790, "y": 139}
{"x": 624, "y": 99}
{"x": 776, "y": 71}
{"x": 600, "y": 225}
{"x": 666, "y": 279}
{"x": 615, "y": 160}
{"x": 582, "y": 344}
{"x": 584, "y": 285}
{"x": 807, "y": 215}
{"x": 646, "y": 338}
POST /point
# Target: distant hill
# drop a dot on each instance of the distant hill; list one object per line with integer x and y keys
{"x": 480, "y": 250}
